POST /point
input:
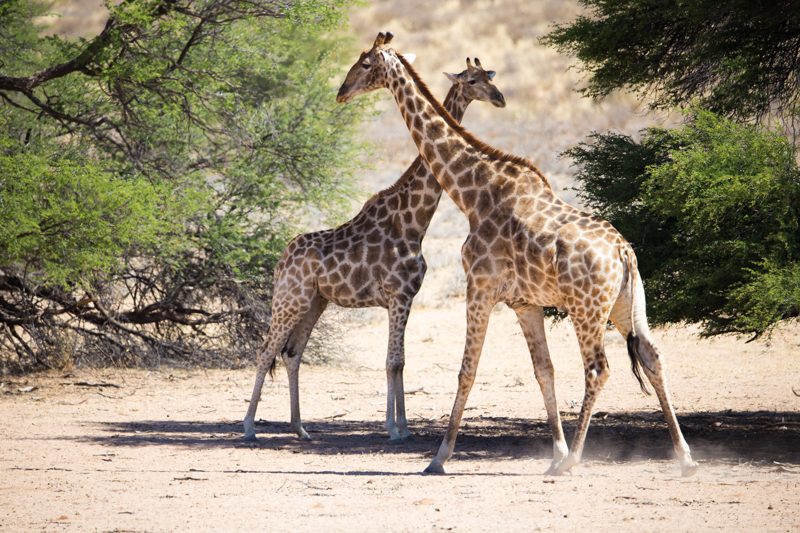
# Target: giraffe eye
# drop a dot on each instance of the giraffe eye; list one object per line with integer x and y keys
{"x": 472, "y": 82}
{"x": 365, "y": 66}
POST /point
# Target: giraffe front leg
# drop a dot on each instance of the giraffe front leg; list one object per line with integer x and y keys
{"x": 478, "y": 310}
{"x": 400, "y": 401}
{"x": 399, "y": 319}
{"x": 396, "y": 422}
{"x": 531, "y": 320}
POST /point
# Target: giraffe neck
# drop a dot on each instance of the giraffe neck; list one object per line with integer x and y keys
{"x": 419, "y": 183}
{"x": 476, "y": 180}
{"x": 456, "y": 103}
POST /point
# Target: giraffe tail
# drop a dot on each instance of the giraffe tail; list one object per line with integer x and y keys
{"x": 633, "y": 339}
{"x": 274, "y": 362}
{"x": 289, "y": 349}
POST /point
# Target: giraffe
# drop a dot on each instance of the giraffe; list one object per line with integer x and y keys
{"x": 529, "y": 249}
{"x": 375, "y": 259}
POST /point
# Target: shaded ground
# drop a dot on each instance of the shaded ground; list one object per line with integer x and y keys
{"x": 756, "y": 437}
{"x": 159, "y": 451}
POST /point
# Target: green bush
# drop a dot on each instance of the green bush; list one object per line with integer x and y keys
{"x": 712, "y": 209}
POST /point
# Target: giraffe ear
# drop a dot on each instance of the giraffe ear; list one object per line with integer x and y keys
{"x": 410, "y": 58}
{"x": 491, "y": 74}
{"x": 452, "y": 77}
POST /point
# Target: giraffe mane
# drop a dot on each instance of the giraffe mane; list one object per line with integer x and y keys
{"x": 473, "y": 141}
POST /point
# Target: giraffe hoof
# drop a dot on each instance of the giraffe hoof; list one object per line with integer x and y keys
{"x": 689, "y": 469}
{"x": 401, "y": 439}
{"x": 250, "y": 437}
{"x": 561, "y": 468}
{"x": 434, "y": 468}
{"x": 556, "y": 471}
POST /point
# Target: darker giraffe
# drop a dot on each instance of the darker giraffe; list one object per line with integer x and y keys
{"x": 374, "y": 260}
{"x": 528, "y": 248}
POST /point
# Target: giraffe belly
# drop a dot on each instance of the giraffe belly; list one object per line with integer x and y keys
{"x": 534, "y": 275}
{"x": 520, "y": 293}
{"x": 359, "y": 290}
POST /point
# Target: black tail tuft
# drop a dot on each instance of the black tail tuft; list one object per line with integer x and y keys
{"x": 272, "y": 368}
{"x": 286, "y": 350}
{"x": 636, "y": 365}
{"x": 275, "y": 360}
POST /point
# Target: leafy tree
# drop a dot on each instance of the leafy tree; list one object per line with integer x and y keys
{"x": 713, "y": 210}
{"x": 737, "y": 58}
{"x": 149, "y": 176}
{"x": 712, "y": 207}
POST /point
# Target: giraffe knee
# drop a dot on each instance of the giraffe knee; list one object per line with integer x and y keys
{"x": 396, "y": 366}
{"x": 465, "y": 377}
{"x": 544, "y": 371}
{"x": 597, "y": 373}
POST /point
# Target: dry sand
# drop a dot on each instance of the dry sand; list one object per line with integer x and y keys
{"x": 162, "y": 451}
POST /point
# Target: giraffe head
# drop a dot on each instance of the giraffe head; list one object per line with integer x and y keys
{"x": 474, "y": 83}
{"x": 370, "y": 71}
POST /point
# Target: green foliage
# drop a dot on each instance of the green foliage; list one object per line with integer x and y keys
{"x": 712, "y": 209}
{"x": 771, "y": 294}
{"x": 158, "y": 169}
{"x": 738, "y": 58}
{"x": 65, "y": 222}
{"x": 612, "y": 168}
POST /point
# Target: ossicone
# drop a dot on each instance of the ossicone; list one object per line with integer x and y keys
{"x": 383, "y": 38}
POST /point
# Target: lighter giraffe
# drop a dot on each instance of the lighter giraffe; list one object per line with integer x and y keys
{"x": 529, "y": 249}
{"x": 375, "y": 259}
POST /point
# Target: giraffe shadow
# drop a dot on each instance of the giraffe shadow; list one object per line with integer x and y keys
{"x": 723, "y": 436}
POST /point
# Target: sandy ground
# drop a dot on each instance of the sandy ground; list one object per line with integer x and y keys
{"x": 161, "y": 450}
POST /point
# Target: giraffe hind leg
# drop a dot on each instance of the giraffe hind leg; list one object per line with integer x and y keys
{"x": 291, "y": 354}
{"x": 654, "y": 370}
{"x": 596, "y": 371}
{"x": 644, "y": 351}
{"x": 279, "y": 331}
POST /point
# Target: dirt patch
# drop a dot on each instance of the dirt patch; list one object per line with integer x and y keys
{"x": 158, "y": 451}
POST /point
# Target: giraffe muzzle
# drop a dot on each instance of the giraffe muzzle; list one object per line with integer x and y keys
{"x": 498, "y": 100}
{"x": 342, "y": 96}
